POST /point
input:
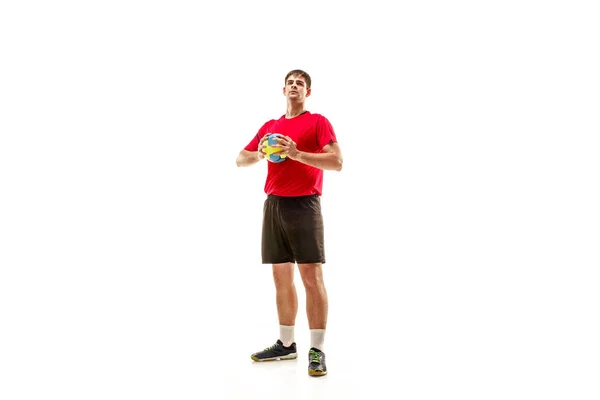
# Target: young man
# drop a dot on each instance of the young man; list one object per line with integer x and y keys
{"x": 292, "y": 231}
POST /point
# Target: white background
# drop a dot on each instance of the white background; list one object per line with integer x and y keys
{"x": 462, "y": 234}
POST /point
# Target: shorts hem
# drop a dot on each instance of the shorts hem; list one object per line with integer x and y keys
{"x": 278, "y": 262}
{"x": 311, "y": 262}
{"x": 294, "y": 262}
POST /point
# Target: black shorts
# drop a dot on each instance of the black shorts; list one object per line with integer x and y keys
{"x": 292, "y": 230}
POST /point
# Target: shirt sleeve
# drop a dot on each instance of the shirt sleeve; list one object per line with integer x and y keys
{"x": 325, "y": 133}
{"x": 253, "y": 145}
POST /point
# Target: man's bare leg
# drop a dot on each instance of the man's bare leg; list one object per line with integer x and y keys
{"x": 317, "y": 305}
{"x": 287, "y": 308}
{"x": 287, "y": 301}
{"x": 316, "y": 310}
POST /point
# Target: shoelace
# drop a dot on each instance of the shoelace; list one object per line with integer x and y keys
{"x": 315, "y": 357}
{"x": 272, "y": 347}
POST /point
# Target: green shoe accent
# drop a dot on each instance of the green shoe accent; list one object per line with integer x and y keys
{"x": 316, "y": 363}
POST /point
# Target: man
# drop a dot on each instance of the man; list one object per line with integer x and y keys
{"x": 292, "y": 231}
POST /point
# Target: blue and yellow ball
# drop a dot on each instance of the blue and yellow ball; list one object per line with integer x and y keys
{"x": 271, "y": 152}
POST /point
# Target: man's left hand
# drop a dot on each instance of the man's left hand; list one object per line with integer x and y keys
{"x": 289, "y": 147}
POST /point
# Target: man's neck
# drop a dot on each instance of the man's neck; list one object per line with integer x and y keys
{"x": 294, "y": 111}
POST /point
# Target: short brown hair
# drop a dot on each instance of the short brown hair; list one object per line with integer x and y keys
{"x": 299, "y": 72}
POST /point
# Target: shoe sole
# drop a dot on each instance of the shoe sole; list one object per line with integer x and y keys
{"x": 288, "y": 357}
{"x": 316, "y": 373}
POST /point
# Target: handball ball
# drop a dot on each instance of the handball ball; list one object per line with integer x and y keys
{"x": 271, "y": 152}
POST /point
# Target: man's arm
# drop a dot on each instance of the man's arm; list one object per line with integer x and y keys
{"x": 247, "y": 158}
{"x": 330, "y": 159}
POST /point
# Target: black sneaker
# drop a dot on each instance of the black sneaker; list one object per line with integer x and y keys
{"x": 276, "y": 352}
{"x": 316, "y": 362}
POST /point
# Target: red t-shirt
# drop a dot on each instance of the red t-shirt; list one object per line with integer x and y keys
{"x": 311, "y": 132}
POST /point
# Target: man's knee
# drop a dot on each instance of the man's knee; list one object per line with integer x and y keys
{"x": 312, "y": 276}
{"x": 283, "y": 275}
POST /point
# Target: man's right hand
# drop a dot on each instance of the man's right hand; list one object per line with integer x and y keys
{"x": 261, "y": 146}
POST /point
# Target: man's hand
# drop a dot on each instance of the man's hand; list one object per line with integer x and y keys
{"x": 288, "y": 146}
{"x": 261, "y": 146}
{"x": 246, "y": 158}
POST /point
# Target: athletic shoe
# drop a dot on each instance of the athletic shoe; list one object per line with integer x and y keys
{"x": 276, "y": 352}
{"x": 316, "y": 362}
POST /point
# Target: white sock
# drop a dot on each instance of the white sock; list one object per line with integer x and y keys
{"x": 317, "y": 338}
{"x": 286, "y": 334}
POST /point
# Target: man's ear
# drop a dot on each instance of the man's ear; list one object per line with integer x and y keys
{"x": 308, "y": 92}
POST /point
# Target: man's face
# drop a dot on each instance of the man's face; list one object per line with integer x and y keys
{"x": 295, "y": 88}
